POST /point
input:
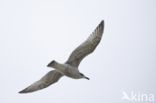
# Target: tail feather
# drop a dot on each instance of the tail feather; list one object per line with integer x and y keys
{"x": 51, "y": 63}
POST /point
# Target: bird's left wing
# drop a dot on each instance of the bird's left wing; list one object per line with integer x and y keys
{"x": 50, "y": 78}
{"x": 86, "y": 47}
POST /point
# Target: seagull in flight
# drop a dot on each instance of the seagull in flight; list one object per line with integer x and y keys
{"x": 70, "y": 67}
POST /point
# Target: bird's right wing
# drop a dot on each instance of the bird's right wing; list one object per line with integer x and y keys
{"x": 50, "y": 78}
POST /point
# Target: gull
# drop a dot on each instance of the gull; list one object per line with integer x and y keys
{"x": 70, "y": 67}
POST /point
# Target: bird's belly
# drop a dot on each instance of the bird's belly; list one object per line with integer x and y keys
{"x": 72, "y": 74}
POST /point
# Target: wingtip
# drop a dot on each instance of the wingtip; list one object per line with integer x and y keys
{"x": 24, "y": 91}
{"x": 102, "y": 22}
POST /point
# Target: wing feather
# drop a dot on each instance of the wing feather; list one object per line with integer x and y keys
{"x": 50, "y": 78}
{"x": 86, "y": 47}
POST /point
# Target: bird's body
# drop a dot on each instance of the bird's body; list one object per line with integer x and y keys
{"x": 66, "y": 69}
{"x": 70, "y": 67}
{"x": 72, "y": 72}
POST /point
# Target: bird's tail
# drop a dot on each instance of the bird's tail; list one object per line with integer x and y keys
{"x": 51, "y": 64}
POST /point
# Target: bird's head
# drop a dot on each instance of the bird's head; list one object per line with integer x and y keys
{"x": 83, "y": 76}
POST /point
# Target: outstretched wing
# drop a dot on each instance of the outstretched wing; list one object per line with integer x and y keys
{"x": 86, "y": 47}
{"x": 50, "y": 78}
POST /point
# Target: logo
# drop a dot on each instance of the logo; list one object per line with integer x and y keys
{"x": 137, "y": 97}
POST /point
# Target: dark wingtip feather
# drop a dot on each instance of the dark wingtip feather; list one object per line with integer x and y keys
{"x": 24, "y": 91}
{"x": 102, "y": 23}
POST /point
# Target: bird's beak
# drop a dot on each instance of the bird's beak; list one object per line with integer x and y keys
{"x": 86, "y": 78}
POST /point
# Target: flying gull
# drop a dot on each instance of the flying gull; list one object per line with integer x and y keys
{"x": 70, "y": 67}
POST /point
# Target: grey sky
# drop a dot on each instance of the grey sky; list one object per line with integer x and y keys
{"x": 34, "y": 32}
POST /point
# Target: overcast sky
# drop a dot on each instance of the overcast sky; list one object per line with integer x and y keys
{"x": 34, "y": 32}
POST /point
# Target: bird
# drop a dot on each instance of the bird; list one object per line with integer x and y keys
{"x": 70, "y": 67}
